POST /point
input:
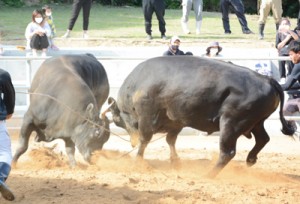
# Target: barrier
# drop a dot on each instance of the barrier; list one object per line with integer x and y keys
{"x": 115, "y": 77}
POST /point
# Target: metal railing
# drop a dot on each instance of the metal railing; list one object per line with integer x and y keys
{"x": 29, "y": 76}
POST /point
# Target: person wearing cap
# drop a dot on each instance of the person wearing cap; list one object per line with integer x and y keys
{"x": 186, "y": 9}
{"x": 213, "y": 50}
{"x": 265, "y": 7}
{"x": 239, "y": 10}
{"x": 174, "y": 48}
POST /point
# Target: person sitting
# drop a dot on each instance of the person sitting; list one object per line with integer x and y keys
{"x": 37, "y": 33}
{"x": 174, "y": 48}
{"x": 213, "y": 50}
{"x": 293, "y": 105}
{"x": 283, "y": 37}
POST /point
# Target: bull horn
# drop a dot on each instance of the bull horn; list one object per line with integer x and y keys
{"x": 107, "y": 109}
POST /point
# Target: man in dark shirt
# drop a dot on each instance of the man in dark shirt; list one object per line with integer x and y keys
{"x": 174, "y": 48}
{"x": 7, "y": 105}
{"x": 293, "y": 105}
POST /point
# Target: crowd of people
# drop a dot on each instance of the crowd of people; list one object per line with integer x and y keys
{"x": 41, "y": 31}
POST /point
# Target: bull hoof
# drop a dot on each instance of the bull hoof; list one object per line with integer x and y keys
{"x": 175, "y": 163}
{"x": 251, "y": 161}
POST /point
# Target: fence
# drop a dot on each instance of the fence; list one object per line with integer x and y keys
{"x": 22, "y": 86}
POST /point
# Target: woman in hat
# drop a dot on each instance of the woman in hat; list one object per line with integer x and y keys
{"x": 213, "y": 50}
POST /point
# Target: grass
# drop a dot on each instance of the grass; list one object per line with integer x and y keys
{"x": 128, "y": 23}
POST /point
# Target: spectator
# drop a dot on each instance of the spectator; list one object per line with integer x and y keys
{"x": 7, "y": 105}
{"x": 157, "y": 6}
{"x": 86, "y": 8}
{"x": 265, "y": 8}
{"x": 186, "y": 9}
{"x": 174, "y": 48}
{"x": 37, "y": 33}
{"x": 292, "y": 105}
{"x": 48, "y": 12}
{"x": 213, "y": 50}
{"x": 239, "y": 10}
{"x": 283, "y": 37}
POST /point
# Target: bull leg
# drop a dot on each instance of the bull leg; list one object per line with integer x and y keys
{"x": 70, "y": 150}
{"x": 25, "y": 132}
{"x": 146, "y": 134}
{"x": 171, "y": 140}
{"x": 228, "y": 141}
{"x": 261, "y": 139}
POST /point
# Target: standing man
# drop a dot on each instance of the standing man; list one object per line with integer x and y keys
{"x": 86, "y": 7}
{"x": 7, "y": 105}
{"x": 186, "y": 9}
{"x": 239, "y": 10}
{"x": 157, "y": 6}
{"x": 265, "y": 8}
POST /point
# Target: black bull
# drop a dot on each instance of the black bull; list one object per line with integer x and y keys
{"x": 165, "y": 94}
{"x": 67, "y": 94}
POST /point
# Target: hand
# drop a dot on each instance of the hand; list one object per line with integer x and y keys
{"x": 40, "y": 33}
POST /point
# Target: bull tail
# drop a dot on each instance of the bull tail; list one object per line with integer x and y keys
{"x": 287, "y": 128}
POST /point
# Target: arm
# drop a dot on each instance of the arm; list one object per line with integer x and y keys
{"x": 8, "y": 94}
{"x": 293, "y": 78}
{"x": 293, "y": 34}
{"x": 284, "y": 42}
{"x": 29, "y": 32}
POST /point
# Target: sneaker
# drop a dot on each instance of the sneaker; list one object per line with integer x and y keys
{"x": 149, "y": 37}
{"x": 66, "y": 35}
{"x": 44, "y": 54}
{"x": 5, "y": 192}
{"x": 85, "y": 36}
{"x": 227, "y": 32}
{"x": 248, "y": 32}
{"x": 164, "y": 37}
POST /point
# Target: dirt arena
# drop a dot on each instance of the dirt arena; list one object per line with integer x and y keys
{"x": 43, "y": 176}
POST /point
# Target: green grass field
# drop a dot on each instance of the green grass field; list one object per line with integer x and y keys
{"x": 128, "y": 23}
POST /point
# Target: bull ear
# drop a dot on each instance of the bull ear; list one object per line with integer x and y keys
{"x": 89, "y": 111}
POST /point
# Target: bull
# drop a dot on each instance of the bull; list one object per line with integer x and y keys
{"x": 166, "y": 94}
{"x": 66, "y": 96}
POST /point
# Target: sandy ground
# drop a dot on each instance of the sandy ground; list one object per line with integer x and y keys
{"x": 43, "y": 176}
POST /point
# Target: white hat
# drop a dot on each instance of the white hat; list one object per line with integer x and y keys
{"x": 174, "y": 38}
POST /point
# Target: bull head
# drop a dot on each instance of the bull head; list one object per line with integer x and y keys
{"x": 124, "y": 121}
